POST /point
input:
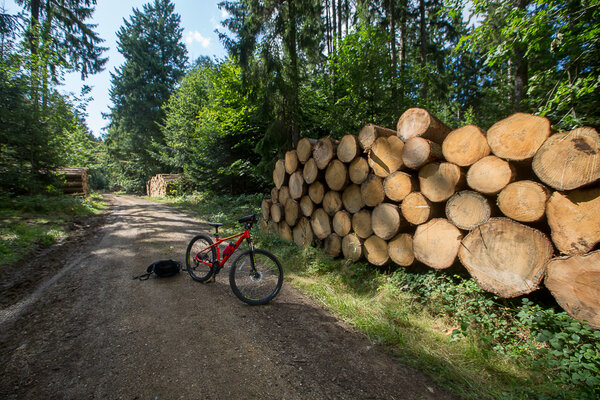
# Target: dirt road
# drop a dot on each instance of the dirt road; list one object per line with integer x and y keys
{"x": 81, "y": 328}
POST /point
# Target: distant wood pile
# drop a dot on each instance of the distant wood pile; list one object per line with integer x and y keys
{"x": 76, "y": 180}
{"x": 502, "y": 202}
{"x": 161, "y": 185}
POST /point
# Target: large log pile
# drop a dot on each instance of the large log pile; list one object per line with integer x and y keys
{"x": 161, "y": 185}
{"x": 506, "y": 203}
{"x": 76, "y": 180}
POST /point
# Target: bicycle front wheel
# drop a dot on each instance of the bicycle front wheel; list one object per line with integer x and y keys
{"x": 256, "y": 277}
{"x": 198, "y": 253}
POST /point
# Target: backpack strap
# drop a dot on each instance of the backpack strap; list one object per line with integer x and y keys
{"x": 143, "y": 277}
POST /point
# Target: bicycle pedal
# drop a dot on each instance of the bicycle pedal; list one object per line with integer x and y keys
{"x": 211, "y": 280}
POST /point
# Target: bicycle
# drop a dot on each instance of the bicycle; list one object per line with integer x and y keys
{"x": 255, "y": 276}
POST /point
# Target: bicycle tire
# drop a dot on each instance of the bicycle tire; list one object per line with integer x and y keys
{"x": 198, "y": 271}
{"x": 258, "y": 287}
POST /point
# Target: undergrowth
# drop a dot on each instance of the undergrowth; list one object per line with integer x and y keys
{"x": 474, "y": 343}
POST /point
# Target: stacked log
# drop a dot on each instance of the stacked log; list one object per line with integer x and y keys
{"x": 501, "y": 203}
{"x": 76, "y": 180}
{"x": 162, "y": 185}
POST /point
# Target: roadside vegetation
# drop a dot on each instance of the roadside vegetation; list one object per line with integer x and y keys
{"x": 473, "y": 343}
{"x": 40, "y": 220}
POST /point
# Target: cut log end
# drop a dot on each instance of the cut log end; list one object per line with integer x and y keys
{"x": 436, "y": 243}
{"x": 467, "y": 210}
{"x": 519, "y": 136}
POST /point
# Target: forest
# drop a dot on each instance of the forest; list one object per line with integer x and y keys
{"x": 294, "y": 69}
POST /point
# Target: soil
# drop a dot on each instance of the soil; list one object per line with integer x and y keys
{"x": 75, "y": 325}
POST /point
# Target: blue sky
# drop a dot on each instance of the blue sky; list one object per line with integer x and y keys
{"x": 199, "y": 19}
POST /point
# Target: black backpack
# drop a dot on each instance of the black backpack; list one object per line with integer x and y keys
{"x": 161, "y": 269}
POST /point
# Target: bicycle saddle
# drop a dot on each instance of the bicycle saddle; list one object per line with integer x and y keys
{"x": 215, "y": 224}
{"x": 247, "y": 218}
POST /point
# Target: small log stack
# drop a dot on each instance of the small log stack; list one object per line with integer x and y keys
{"x": 76, "y": 180}
{"x": 506, "y": 203}
{"x": 162, "y": 185}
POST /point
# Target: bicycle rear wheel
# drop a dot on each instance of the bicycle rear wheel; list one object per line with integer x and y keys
{"x": 256, "y": 277}
{"x": 197, "y": 251}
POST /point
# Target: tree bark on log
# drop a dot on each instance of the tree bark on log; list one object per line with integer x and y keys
{"x": 304, "y": 149}
{"x": 358, "y": 171}
{"x": 332, "y": 202}
{"x": 352, "y": 247}
{"x": 307, "y": 206}
{"x": 370, "y": 133}
{"x": 574, "y": 220}
{"x": 436, "y": 243}
{"x": 490, "y": 175}
{"x": 333, "y": 245}
{"x": 467, "y": 210}
{"x": 361, "y": 224}
{"x": 419, "y": 151}
{"x": 302, "y": 233}
{"x": 292, "y": 212}
{"x": 297, "y": 185}
{"x": 352, "y": 199}
{"x": 417, "y": 209}
{"x": 465, "y": 146}
{"x": 348, "y": 148}
{"x": 385, "y": 155}
{"x": 336, "y": 175}
{"x": 285, "y": 232}
{"x": 518, "y": 137}
{"x": 320, "y": 223}
{"x": 284, "y": 195}
{"x": 291, "y": 162}
{"x": 439, "y": 181}
{"x": 570, "y": 160}
{"x": 310, "y": 172}
{"x": 419, "y": 122}
{"x": 372, "y": 191}
{"x": 398, "y": 185}
{"x": 324, "y": 151}
{"x": 316, "y": 191}
{"x": 386, "y": 220}
{"x": 505, "y": 257}
{"x": 277, "y": 211}
{"x": 279, "y": 175}
{"x": 342, "y": 223}
{"x": 376, "y": 250}
{"x": 574, "y": 282}
{"x": 524, "y": 201}
{"x": 401, "y": 250}
{"x": 265, "y": 207}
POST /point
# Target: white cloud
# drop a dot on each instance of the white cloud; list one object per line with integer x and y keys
{"x": 196, "y": 36}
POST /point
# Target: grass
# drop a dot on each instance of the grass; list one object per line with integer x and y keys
{"x": 474, "y": 344}
{"x": 30, "y": 221}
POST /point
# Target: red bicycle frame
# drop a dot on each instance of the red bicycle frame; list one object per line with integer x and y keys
{"x": 242, "y": 236}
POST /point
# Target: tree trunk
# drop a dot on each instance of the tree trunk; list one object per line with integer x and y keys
{"x": 521, "y": 73}
{"x": 518, "y": 137}
{"x": 505, "y": 257}
{"x": 575, "y": 220}
{"x": 284, "y": 194}
{"x": 304, "y": 149}
{"x": 302, "y": 233}
{"x": 336, "y": 175}
{"x": 292, "y": 212}
{"x": 417, "y": 209}
{"x": 569, "y": 160}
{"x": 376, "y": 250}
{"x": 490, "y": 175}
{"x": 324, "y": 151}
{"x": 352, "y": 247}
{"x": 439, "y": 181}
{"x": 372, "y": 191}
{"x": 418, "y": 151}
{"x": 386, "y": 220}
{"x": 265, "y": 207}
{"x": 385, "y": 155}
{"x": 361, "y": 223}
{"x": 279, "y": 176}
{"x": 306, "y": 206}
{"x": 398, "y": 185}
{"x": 285, "y": 232}
{"x": 310, "y": 172}
{"x": 333, "y": 245}
{"x": 342, "y": 223}
{"x": 575, "y": 284}
{"x": 465, "y": 146}
{"x": 358, "y": 171}
{"x": 524, "y": 201}
{"x": 316, "y": 191}
{"x": 352, "y": 199}
{"x": 277, "y": 211}
{"x": 436, "y": 243}
{"x": 348, "y": 148}
{"x": 291, "y": 161}
{"x": 332, "y": 202}
{"x": 370, "y": 133}
{"x": 467, "y": 210}
{"x": 321, "y": 223}
{"x": 401, "y": 250}
{"x": 419, "y": 122}
{"x": 297, "y": 186}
